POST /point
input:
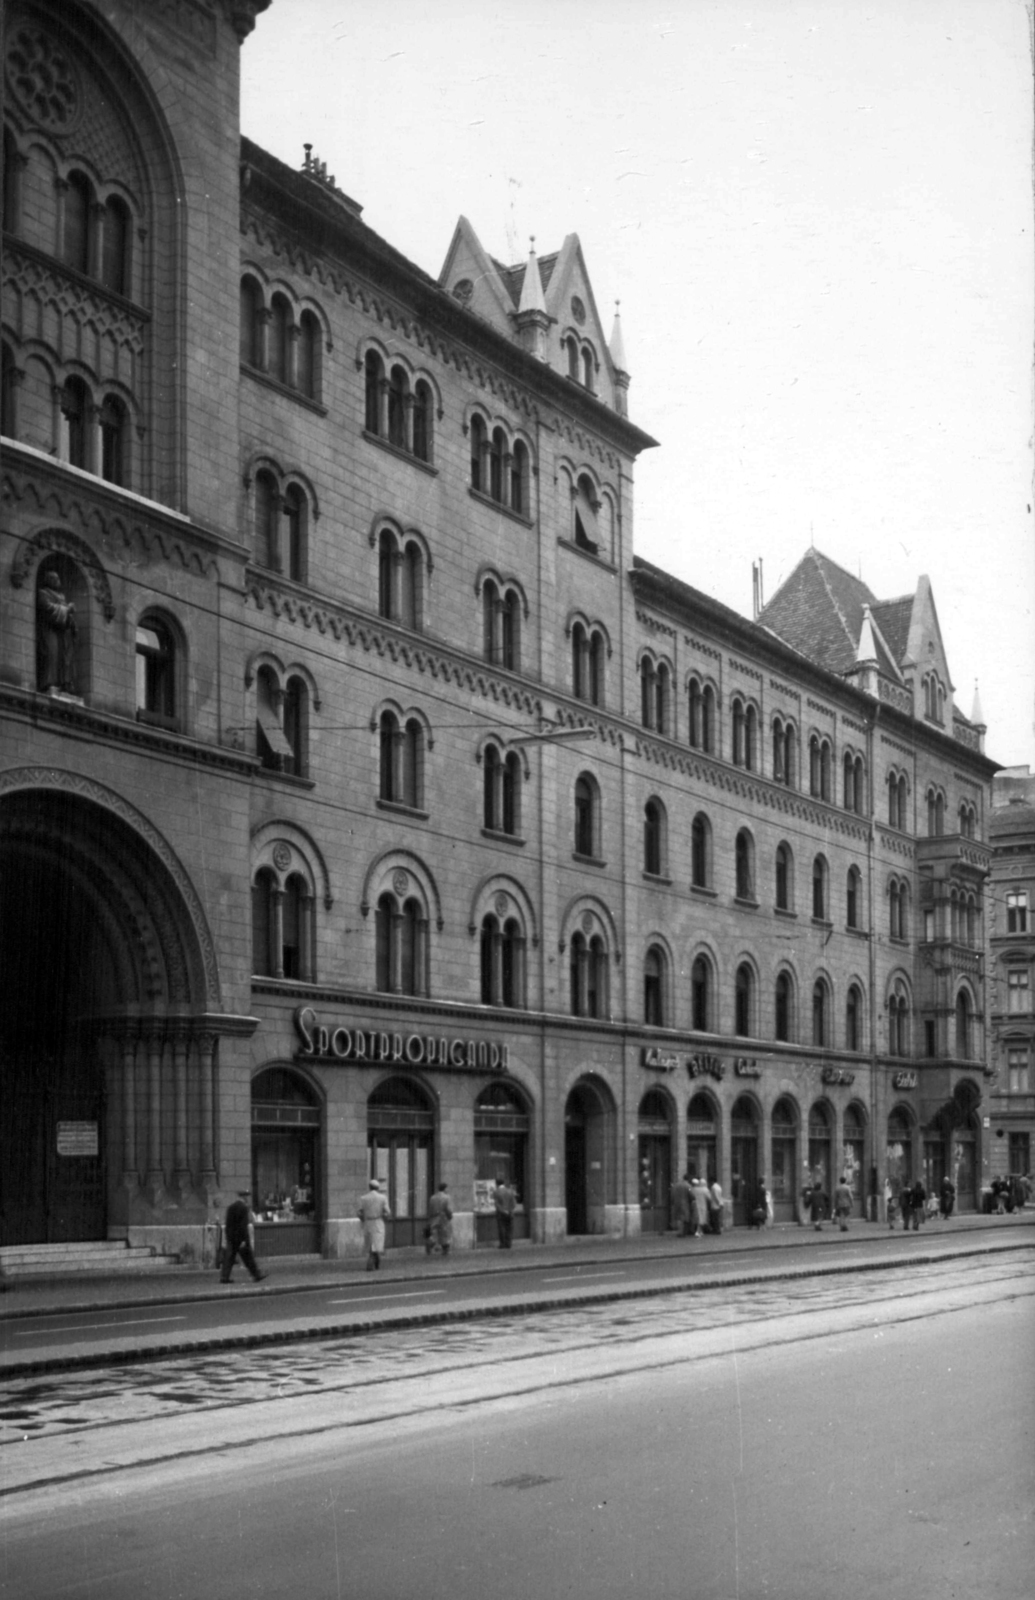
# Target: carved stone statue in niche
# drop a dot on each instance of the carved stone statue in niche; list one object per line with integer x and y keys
{"x": 55, "y": 636}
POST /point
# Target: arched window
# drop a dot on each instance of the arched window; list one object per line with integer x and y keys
{"x": 296, "y": 517}
{"x": 588, "y": 652}
{"x": 584, "y": 525}
{"x": 853, "y": 1018}
{"x": 502, "y": 953}
{"x": 497, "y": 464}
{"x": 784, "y": 878}
{"x": 114, "y": 423}
{"x": 401, "y": 945}
{"x": 267, "y": 521}
{"x": 251, "y": 323}
{"x": 115, "y": 259}
{"x": 897, "y": 800}
{"x": 700, "y": 852}
{"x": 819, "y": 767}
{"x": 308, "y": 365}
{"x": 820, "y": 908}
{"x": 75, "y": 411}
{"x": 935, "y": 813}
{"x": 479, "y": 451}
{"x": 572, "y": 348}
{"x": 272, "y": 748}
{"x": 820, "y": 1012}
{"x": 587, "y": 368}
{"x": 849, "y": 782}
{"x": 401, "y": 761}
{"x": 78, "y": 204}
{"x": 587, "y": 837}
{"x": 744, "y": 866}
{"x": 8, "y": 387}
{"x": 853, "y": 898}
{"x": 422, "y": 419}
{"x": 519, "y": 481}
{"x": 282, "y": 931}
{"x": 898, "y": 1023}
{"x": 783, "y": 752}
{"x": 964, "y": 1027}
{"x": 279, "y": 338}
{"x": 374, "y": 386}
{"x": 654, "y": 987}
{"x": 502, "y": 792}
{"x": 743, "y": 1006}
{"x": 296, "y": 726}
{"x": 398, "y": 394}
{"x": 400, "y": 580}
{"x": 897, "y": 903}
{"x": 588, "y": 972}
{"x": 653, "y": 838}
{"x": 784, "y": 999}
{"x": 740, "y": 758}
{"x": 654, "y": 694}
{"x": 11, "y": 186}
{"x": 502, "y": 626}
{"x": 155, "y": 671}
{"x": 262, "y": 923}
{"x": 701, "y": 996}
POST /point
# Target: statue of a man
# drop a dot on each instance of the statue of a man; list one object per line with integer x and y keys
{"x": 55, "y": 635}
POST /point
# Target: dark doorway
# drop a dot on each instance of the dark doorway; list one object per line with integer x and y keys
{"x": 58, "y": 972}
{"x": 400, "y": 1134}
{"x": 655, "y": 1174}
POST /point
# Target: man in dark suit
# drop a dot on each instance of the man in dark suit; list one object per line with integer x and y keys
{"x": 239, "y": 1237}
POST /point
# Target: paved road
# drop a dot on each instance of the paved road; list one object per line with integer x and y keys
{"x": 43, "y": 1339}
{"x": 846, "y": 1435}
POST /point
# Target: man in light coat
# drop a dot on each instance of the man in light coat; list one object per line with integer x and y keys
{"x": 374, "y": 1213}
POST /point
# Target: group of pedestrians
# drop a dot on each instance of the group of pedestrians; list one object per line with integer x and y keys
{"x": 697, "y": 1206}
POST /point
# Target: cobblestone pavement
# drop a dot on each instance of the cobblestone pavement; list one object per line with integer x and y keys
{"x": 75, "y": 1404}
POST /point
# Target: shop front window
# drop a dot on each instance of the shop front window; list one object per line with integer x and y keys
{"x": 286, "y": 1124}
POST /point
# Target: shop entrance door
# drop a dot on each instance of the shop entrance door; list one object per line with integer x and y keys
{"x": 400, "y": 1131}
{"x": 52, "y": 1155}
{"x": 783, "y": 1165}
{"x": 575, "y": 1174}
{"x": 744, "y": 1175}
{"x": 655, "y": 1182}
{"x": 286, "y": 1120}
{"x": 655, "y": 1175}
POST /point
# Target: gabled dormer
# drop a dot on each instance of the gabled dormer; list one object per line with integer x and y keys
{"x": 552, "y": 315}
{"x": 923, "y": 660}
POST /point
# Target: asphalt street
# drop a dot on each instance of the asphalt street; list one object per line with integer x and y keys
{"x": 841, "y": 1434}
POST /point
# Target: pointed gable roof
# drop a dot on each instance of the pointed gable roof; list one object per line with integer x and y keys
{"x": 820, "y": 611}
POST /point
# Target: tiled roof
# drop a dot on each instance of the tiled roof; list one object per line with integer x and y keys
{"x": 819, "y": 611}
{"x": 893, "y": 618}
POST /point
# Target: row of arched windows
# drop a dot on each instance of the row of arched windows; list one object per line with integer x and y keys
{"x": 90, "y": 424}
{"x": 93, "y": 228}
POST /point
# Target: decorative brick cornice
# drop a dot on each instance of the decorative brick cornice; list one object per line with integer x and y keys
{"x": 379, "y": 638}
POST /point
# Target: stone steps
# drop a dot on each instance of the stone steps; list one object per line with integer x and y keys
{"x": 101, "y": 1257}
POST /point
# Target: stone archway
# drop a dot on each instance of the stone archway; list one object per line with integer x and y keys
{"x": 589, "y": 1156}
{"x": 107, "y": 1034}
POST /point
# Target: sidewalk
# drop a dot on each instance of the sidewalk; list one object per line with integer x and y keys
{"x": 176, "y": 1285}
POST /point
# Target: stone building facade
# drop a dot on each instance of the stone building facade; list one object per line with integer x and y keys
{"x": 1012, "y": 954}
{"x": 366, "y": 805}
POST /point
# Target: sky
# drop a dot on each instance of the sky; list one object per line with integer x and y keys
{"x": 818, "y": 220}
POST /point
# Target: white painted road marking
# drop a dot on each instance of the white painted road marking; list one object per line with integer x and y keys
{"x": 93, "y": 1327}
{"x": 361, "y": 1299}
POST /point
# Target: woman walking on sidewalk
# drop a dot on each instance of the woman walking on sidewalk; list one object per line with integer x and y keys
{"x": 374, "y": 1213}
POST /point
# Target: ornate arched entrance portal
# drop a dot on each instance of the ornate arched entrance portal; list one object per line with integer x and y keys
{"x": 109, "y": 1026}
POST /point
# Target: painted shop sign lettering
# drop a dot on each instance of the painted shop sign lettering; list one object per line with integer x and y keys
{"x": 658, "y": 1059}
{"x": 746, "y": 1067}
{"x": 356, "y": 1045}
{"x": 904, "y": 1080}
{"x": 837, "y": 1075}
{"x": 706, "y": 1067}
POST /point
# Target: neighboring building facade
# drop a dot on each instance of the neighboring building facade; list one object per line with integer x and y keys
{"x": 1012, "y": 1002}
{"x": 374, "y": 810}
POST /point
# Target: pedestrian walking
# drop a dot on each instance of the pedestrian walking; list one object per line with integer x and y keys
{"x": 374, "y": 1213}
{"x": 905, "y": 1204}
{"x": 843, "y": 1203}
{"x": 699, "y": 1197}
{"x": 440, "y": 1221}
{"x": 715, "y": 1205}
{"x": 505, "y": 1201}
{"x": 817, "y": 1205}
{"x": 947, "y": 1198}
{"x": 682, "y": 1206}
{"x": 758, "y": 1206}
{"x": 917, "y": 1200}
{"x": 239, "y": 1237}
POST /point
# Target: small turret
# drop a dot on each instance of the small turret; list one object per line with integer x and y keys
{"x": 531, "y": 319}
{"x": 618, "y": 361}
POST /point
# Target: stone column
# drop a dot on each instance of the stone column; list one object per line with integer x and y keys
{"x": 154, "y": 1182}
{"x": 205, "y": 1044}
{"x": 181, "y": 1168}
{"x": 130, "y": 1175}
{"x": 277, "y": 932}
